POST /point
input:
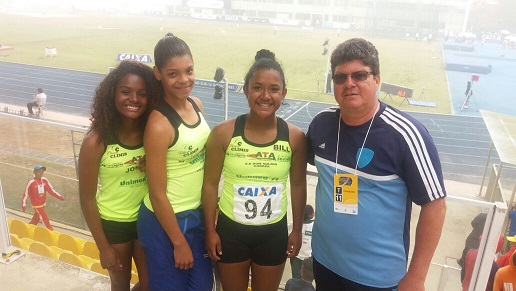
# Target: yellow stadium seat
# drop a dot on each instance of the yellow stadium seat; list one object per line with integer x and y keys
{"x": 71, "y": 243}
{"x": 44, "y": 250}
{"x": 27, "y": 242}
{"x": 90, "y": 249}
{"x": 18, "y": 242}
{"x": 46, "y": 236}
{"x": 9, "y": 220}
{"x": 76, "y": 260}
{"x": 22, "y": 229}
{"x": 95, "y": 266}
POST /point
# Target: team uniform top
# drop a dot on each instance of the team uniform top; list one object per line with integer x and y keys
{"x": 398, "y": 165}
{"x": 185, "y": 160}
{"x": 122, "y": 184}
{"x": 36, "y": 190}
{"x": 255, "y": 177}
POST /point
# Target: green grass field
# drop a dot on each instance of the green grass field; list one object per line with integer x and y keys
{"x": 91, "y": 43}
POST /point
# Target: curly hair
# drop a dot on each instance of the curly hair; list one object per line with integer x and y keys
{"x": 264, "y": 59}
{"x": 105, "y": 118}
{"x": 356, "y": 49}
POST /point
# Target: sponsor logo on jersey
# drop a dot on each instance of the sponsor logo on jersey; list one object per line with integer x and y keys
{"x": 257, "y": 191}
{"x": 281, "y": 148}
{"x": 236, "y": 149}
{"x": 117, "y": 155}
{"x": 131, "y": 182}
{"x": 263, "y": 156}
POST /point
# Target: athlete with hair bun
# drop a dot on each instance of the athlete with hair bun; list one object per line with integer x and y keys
{"x": 257, "y": 152}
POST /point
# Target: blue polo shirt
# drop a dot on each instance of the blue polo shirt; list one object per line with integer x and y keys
{"x": 399, "y": 165}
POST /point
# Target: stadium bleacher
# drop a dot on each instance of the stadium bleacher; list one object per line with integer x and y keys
{"x": 59, "y": 246}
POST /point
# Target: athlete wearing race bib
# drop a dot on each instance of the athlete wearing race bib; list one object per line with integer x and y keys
{"x": 257, "y": 152}
{"x": 255, "y": 177}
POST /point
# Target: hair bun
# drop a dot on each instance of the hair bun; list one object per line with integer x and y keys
{"x": 264, "y": 54}
{"x": 169, "y": 34}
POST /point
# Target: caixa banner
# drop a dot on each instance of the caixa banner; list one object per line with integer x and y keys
{"x": 136, "y": 57}
{"x": 211, "y": 84}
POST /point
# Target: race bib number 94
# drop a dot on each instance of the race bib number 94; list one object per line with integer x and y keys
{"x": 257, "y": 204}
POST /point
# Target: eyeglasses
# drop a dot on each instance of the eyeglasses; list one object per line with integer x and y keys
{"x": 359, "y": 76}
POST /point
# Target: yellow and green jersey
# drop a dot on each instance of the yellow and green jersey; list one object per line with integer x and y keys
{"x": 185, "y": 160}
{"x": 255, "y": 177}
{"x": 122, "y": 185}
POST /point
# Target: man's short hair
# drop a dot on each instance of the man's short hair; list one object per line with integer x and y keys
{"x": 40, "y": 90}
{"x": 356, "y": 49}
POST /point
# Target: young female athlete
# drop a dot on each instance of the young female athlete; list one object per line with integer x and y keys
{"x": 112, "y": 153}
{"x": 257, "y": 152}
{"x": 170, "y": 223}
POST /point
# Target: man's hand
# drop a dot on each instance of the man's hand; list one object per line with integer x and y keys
{"x": 60, "y": 198}
{"x": 410, "y": 283}
{"x": 24, "y": 208}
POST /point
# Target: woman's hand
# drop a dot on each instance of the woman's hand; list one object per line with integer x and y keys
{"x": 109, "y": 260}
{"x": 213, "y": 245}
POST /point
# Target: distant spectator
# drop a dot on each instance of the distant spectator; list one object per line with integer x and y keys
{"x": 469, "y": 264}
{"x": 36, "y": 190}
{"x": 472, "y": 241}
{"x": 307, "y": 276}
{"x": 468, "y": 94}
{"x": 40, "y": 99}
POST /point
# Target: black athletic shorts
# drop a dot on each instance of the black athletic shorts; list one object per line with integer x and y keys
{"x": 265, "y": 245}
{"x": 119, "y": 232}
{"x": 327, "y": 280}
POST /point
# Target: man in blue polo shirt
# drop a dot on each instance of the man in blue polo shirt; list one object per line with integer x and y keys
{"x": 373, "y": 163}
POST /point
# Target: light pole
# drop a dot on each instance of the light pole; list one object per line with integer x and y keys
{"x": 226, "y": 98}
{"x": 219, "y": 76}
{"x": 466, "y": 15}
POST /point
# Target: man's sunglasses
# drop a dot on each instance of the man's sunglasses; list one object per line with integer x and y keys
{"x": 359, "y": 76}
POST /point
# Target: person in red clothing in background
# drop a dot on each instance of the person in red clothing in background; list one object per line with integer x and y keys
{"x": 36, "y": 190}
{"x": 469, "y": 264}
{"x": 503, "y": 260}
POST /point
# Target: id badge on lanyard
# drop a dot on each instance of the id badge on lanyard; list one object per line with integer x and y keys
{"x": 41, "y": 189}
{"x": 345, "y": 193}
